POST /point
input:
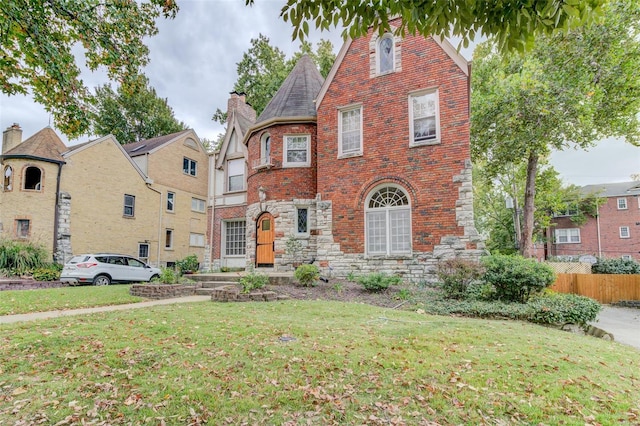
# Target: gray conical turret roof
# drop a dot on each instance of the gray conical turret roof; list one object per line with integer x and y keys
{"x": 296, "y": 96}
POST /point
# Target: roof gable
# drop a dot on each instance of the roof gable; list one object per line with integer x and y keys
{"x": 238, "y": 126}
{"x": 45, "y": 145}
{"x": 149, "y": 146}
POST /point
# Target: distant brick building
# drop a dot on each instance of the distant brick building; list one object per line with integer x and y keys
{"x": 367, "y": 170}
{"x": 613, "y": 233}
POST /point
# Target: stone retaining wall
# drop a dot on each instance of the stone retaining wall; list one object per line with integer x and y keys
{"x": 232, "y": 293}
{"x": 27, "y": 284}
{"x": 162, "y": 291}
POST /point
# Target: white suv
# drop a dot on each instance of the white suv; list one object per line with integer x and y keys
{"x": 106, "y": 268}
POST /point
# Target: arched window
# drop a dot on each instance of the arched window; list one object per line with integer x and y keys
{"x": 386, "y": 54}
{"x": 33, "y": 178}
{"x": 265, "y": 149}
{"x": 8, "y": 179}
{"x": 388, "y": 221}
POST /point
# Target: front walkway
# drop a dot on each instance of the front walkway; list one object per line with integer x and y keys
{"x": 623, "y": 323}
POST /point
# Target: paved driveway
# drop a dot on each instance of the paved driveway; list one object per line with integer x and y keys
{"x": 623, "y": 323}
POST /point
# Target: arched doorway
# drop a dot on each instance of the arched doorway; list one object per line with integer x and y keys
{"x": 265, "y": 240}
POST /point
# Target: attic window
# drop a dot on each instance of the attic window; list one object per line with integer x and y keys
{"x": 33, "y": 179}
{"x": 386, "y": 54}
{"x": 191, "y": 143}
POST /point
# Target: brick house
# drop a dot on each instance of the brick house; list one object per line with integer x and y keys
{"x": 613, "y": 233}
{"x": 95, "y": 197}
{"x": 367, "y": 170}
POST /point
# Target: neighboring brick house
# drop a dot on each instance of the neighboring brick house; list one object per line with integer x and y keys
{"x": 93, "y": 197}
{"x": 368, "y": 170}
{"x": 613, "y": 233}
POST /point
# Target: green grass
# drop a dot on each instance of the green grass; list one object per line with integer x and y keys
{"x": 215, "y": 363}
{"x": 52, "y": 299}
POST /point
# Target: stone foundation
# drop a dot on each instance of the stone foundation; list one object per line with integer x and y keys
{"x": 162, "y": 291}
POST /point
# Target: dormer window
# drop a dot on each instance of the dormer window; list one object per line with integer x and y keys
{"x": 386, "y": 54}
{"x": 33, "y": 179}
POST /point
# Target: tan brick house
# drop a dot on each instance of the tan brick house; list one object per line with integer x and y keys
{"x": 369, "y": 169}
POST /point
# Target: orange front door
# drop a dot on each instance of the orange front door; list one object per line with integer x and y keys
{"x": 264, "y": 243}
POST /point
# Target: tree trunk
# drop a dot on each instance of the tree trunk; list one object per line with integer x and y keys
{"x": 526, "y": 239}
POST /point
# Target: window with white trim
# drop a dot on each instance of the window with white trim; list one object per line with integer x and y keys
{"x": 567, "y": 236}
{"x": 22, "y": 228}
{"x": 8, "y": 179}
{"x": 350, "y": 131}
{"x": 235, "y": 243}
{"x": 297, "y": 151}
{"x": 625, "y": 232}
{"x": 622, "y": 203}
{"x": 424, "y": 118}
{"x": 198, "y": 205}
{"x": 265, "y": 149}
{"x": 129, "y": 205}
{"x": 386, "y": 54}
{"x": 171, "y": 201}
{"x": 168, "y": 238}
{"x": 235, "y": 175}
{"x": 388, "y": 222}
{"x": 302, "y": 220}
{"x": 189, "y": 166}
{"x": 196, "y": 240}
{"x": 143, "y": 251}
{"x": 626, "y": 257}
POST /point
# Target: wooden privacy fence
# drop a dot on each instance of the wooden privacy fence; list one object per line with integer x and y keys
{"x": 605, "y": 288}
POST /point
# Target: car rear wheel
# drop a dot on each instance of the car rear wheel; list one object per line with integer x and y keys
{"x": 154, "y": 277}
{"x": 102, "y": 280}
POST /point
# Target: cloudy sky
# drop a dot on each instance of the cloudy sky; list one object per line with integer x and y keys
{"x": 193, "y": 65}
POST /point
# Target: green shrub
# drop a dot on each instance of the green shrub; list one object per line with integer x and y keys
{"x": 378, "y": 281}
{"x": 616, "y": 266}
{"x": 479, "y": 290}
{"x": 50, "y": 272}
{"x": 561, "y": 309}
{"x": 516, "y": 278}
{"x": 253, "y": 281}
{"x": 188, "y": 264}
{"x": 18, "y": 257}
{"x": 455, "y": 276}
{"x": 307, "y": 275}
{"x": 434, "y": 302}
{"x": 167, "y": 276}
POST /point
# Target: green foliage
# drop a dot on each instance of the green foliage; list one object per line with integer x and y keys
{"x": 19, "y": 258}
{"x": 167, "y": 276}
{"x": 50, "y": 272}
{"x": 513, "y": 25}
{"x": 616, "y": 266}
{"x": 109, "y": 34}
{"x": 455, "y": 276}
{"x": 404, "y": 294}
{"x": 561, "y": 309}
{"x": 307, "y": 275}
{"x": 479, "y": 290}
{"x": 253, "y": 281}
{"x": 378, "y": 281}
{"x": 516, "y": 278}
{"x": 188, "y": 264}
{"x": 134, "y": 113}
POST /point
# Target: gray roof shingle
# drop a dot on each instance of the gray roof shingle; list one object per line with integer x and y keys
{"x": 618, "y": 189}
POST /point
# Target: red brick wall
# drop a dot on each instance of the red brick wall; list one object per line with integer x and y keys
{"x": 281, "y": 183}
{"x": 221, "y": 214}
{"x": 611, "y": 219}
{"x": 426, "y": 172}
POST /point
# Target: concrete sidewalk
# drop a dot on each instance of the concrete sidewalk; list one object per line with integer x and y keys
{"x": 7, "y": 319}
{"x": 622, "y": 323}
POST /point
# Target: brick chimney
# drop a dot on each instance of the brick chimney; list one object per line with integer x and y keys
{"x": 237, "y": 104}
{"x": 11, "y": 137}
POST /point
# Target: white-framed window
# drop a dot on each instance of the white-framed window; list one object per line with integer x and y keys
{"x": 171, "y": 201}
{"x": 625, "y": 232}
{"x": 189, "y": 166}
{"x": 143, "y": 251}
{"x": 302, "y": 220}
{"x": 129, "y": 205}
{"x": 23, "y": 228}
{"x": 265, "y": 149}
{"x": 235, "y": 175}
{"x": 196, "y": 240}
{"x": 386, "y": 54}
{"x": 350, "y": 131}
{"x": 168, "y": 238}
{"x": 622, "y": 203}
{"x": 297, "y": 151}
{"x": 567, "y": 236}
{"x": 33, "y": 178}
{"x": 424, "y": 118}
{"x": 235, "y": 243}
{"x": 626, "y": 257}
{"x": 198, "y": 205}
{"x": 571, "y": 210}
{"x": 388, "y": 221}
{"x": 8, "y": 179}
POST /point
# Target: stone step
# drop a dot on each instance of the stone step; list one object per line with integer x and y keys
{"x": 215, "y": 284}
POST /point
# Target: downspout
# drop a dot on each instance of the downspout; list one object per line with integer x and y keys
{"x": 212, "y": 196}
{"x": 56, "y": 213}
{"x": 159, "y": 222}
{"x": 598, "y": 230}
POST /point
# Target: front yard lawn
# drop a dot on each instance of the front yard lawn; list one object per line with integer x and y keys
{"x": 309, "y": 362}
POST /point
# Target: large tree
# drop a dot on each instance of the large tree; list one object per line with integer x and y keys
{"x": 571, "y": 89}
{"x": 39, "y": 41}
{"x": 134, "y": 112}
{"x": 512, "y": 22}
{"x": 264, "y": 67}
